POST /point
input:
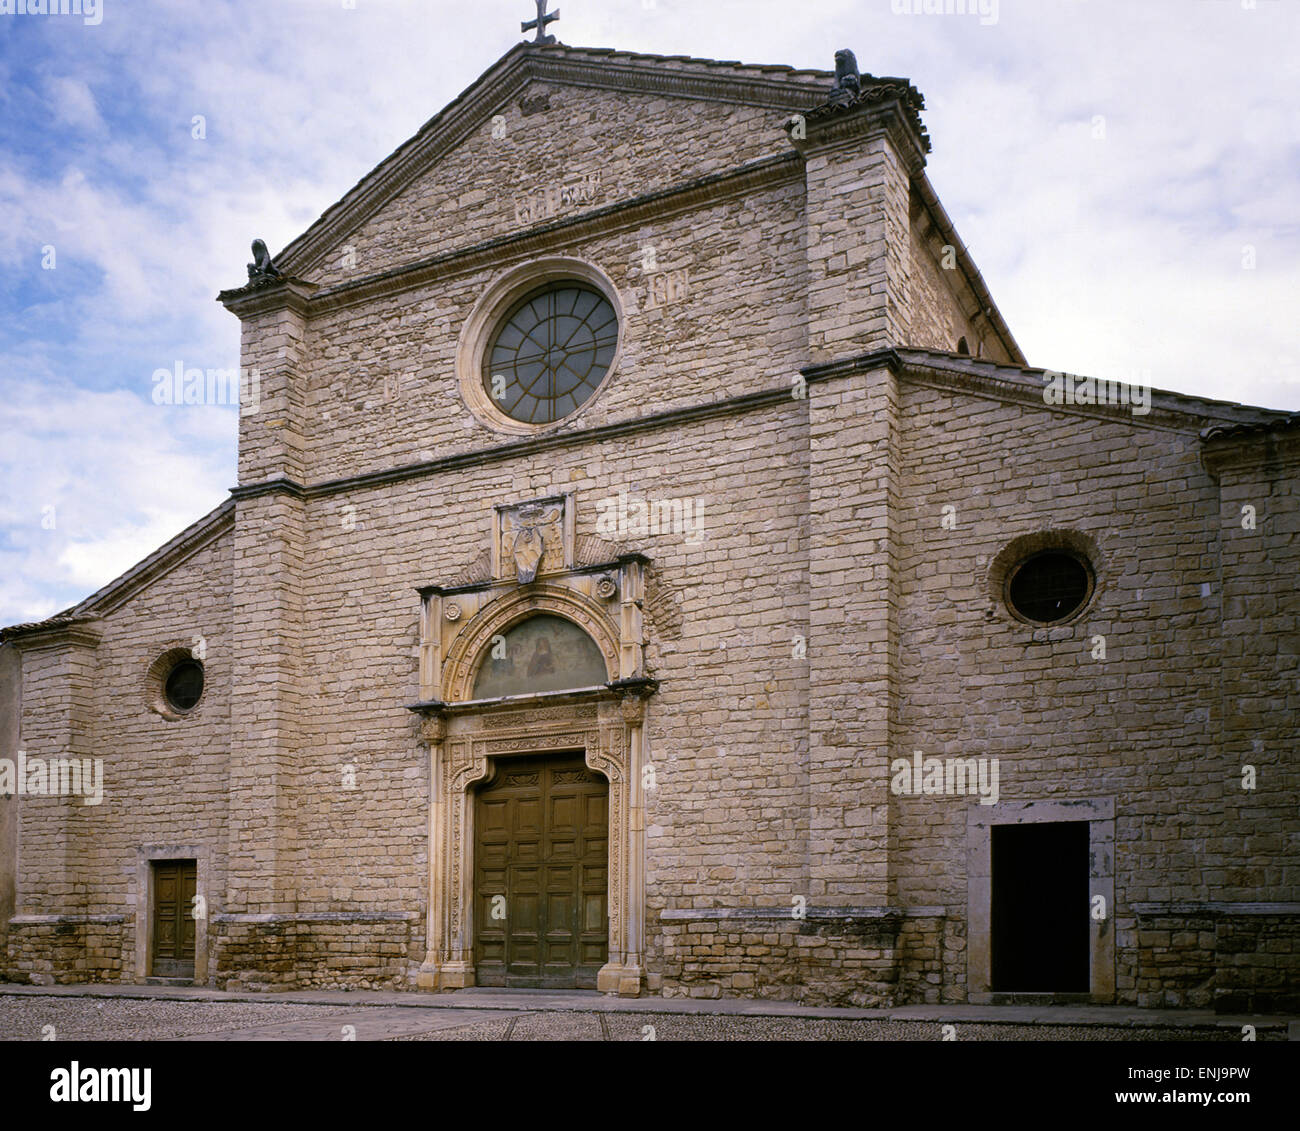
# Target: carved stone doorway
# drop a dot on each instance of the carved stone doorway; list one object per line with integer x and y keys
{"x": 468, "y": 746}
{"x": 476, "y": 727}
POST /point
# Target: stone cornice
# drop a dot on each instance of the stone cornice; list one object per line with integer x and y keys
{"x": 997, "y": 381}
{"x": 853, "y": 126}
{"x": 261, "y": 298}
{"x": 477, "y": 457}
{"x": 1017, "y": 390}
{"x": 436, "y": 708}
{"x": 765, "y": 173}
{"x": 72, "y": 632}
{"x": 641, "y": 688}
{"x": 522, "y": 64}
{"x": 510, "y": 583}
{"x": 845, "y": 367}
{"x": 1245, "y": 450}
{"x": 1215, "y": 908}
{"x": 640, "y": 78}
{"x": 277, "y": 486}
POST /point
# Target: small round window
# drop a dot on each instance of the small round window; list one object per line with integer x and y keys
{"x": 184, "y": 685}
{"x": 550, "y": 352}
{"x": 1049, "y": 587}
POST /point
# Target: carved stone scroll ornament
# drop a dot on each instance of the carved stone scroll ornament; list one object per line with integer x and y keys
{"x": 433, "y": 729}
{"x": 633, "y": 709}
{"x": 525, "y": 539}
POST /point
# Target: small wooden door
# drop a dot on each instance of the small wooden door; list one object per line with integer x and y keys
{"x": 175, "y": 883}
{"x": 541, "y": 868}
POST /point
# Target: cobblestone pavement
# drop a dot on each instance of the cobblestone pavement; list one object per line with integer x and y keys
{"x": 34, "y": 1017}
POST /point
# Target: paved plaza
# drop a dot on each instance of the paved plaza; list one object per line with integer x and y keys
{"x": 146, "y": 1013}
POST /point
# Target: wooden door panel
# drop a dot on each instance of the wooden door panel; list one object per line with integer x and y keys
{"x": 541, "y": 841}
{"x": 189, "y": 886}
{"x": 564, "y": 816}
{"x": 175, "y": 884}
{"x": 528, "y": 818}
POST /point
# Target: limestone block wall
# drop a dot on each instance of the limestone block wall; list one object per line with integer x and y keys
{"x": 383, "y": 388}
{"x": 67, "y": 950}
{"x": 1259, "y": 521}
{"x": 865, "y": 961}
{"x": 938, "y": 320}
{"x": 630, "y": 143}
{"x": 977, "y": 682}
{"x": 726, "y": 733}
{"x": 328, "y": 950}
{"x": 163, "y": 782}
{"x": 1142, "y": 726}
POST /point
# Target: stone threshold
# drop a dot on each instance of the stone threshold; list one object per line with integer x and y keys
{"x": 786, "y": 914}
{"x": 1215, "y": 907}
{"x": 588, "y": 1001}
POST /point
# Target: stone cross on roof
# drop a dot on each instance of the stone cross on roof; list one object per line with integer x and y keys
{"x": 543, "y": 18}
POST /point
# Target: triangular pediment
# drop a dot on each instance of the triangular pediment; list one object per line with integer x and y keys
{"x": 549, "y": 130}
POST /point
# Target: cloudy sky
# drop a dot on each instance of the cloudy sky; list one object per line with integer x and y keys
{"x": 1126, "y": 175}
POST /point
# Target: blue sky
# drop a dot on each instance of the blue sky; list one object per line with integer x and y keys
{"x": 1108, "y": 163}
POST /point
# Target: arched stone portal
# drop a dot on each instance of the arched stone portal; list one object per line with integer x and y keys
{"x": 604, "y": 722}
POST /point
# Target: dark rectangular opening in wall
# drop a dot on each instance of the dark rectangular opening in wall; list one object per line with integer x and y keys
{"x": 175, "y": 883}
{"x": 1040, "y": 940}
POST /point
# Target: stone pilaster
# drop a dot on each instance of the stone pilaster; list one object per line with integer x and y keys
{"x": 273, "y": 360}
{"x": 858, "y": 169}
{"x": 267, "y": 607}
{"x": 1259, "y": 553}
{"x": 11, "y": 705}
{"x": 433, "y": 731}
{"x": 56, "y": 722}
{"x": 266, "y": 705}
{"x": 853, "y": 631}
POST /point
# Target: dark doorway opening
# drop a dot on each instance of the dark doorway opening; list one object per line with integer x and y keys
{"x": 1040, "y": 940}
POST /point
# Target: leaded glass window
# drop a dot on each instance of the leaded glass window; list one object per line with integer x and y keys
{"x": 550, "y": 352}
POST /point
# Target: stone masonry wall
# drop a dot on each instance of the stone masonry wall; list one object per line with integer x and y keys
{"x": 383, "y": 385}
{"x": 725, "y": 734}
{"x": 938, "y": 320}
{"x": 634, "y": 144}
{"x": 164, "y": 782}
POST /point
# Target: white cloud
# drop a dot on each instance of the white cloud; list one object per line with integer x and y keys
{"x": 90, "y": 483}
{"x": 73, "y": 103}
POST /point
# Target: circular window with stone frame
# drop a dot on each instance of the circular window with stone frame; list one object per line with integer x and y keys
{"x": 1049, "y": 587}
{"x": 174, "y": 684}
{"x": 1047, "y": 579}
{"x": 540, "y": 345}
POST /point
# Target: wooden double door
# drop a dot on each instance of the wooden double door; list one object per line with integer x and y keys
{"x": 175, "y": 883}
{"x": 541, "y": 874}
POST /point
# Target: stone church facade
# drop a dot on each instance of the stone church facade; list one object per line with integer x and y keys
{"x": 640, "y": 578}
